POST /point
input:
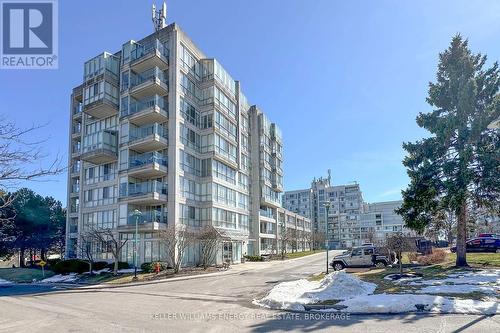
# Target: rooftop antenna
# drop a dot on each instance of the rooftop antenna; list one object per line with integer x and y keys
{"x": 329, "y": 176}
{"x": 159, "y": 17}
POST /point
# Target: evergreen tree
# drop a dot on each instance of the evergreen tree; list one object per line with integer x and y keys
{"x": 459, "y": 164}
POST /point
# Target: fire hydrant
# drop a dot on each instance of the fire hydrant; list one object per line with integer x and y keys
{"x": 157, "y": 267}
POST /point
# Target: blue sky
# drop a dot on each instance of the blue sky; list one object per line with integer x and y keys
{"x": 343, "y": 79}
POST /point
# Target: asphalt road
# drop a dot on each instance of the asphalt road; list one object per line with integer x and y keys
{"x": 220, "y": 303}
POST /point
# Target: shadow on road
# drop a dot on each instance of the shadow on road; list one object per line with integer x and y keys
{"x": 310, "y": 322}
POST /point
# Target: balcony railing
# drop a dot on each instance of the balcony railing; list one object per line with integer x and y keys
{"x": 106, "y": 140}
{"x": 75, "y": 188}
{"x": 149, "y": 75}
{"x": 146, "y": 103}
{"x": 75, "y": 168}
{"x": 78, "y": 108}
{"x": 138, "y": 133}
{"x": 148, "y": 217}
{"x": 266, "y": 213}
{"x": 144, "y": 50}
{"x": 140, "y": 160}
{"x": 137, "y": 189}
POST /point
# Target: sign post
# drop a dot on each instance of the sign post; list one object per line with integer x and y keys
{"x": 42, "y": 264}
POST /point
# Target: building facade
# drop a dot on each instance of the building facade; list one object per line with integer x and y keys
{"x": 351, "y": 221}
{"x": 161, "y": 128}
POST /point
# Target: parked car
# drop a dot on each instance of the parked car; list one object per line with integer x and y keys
{"x": 363, "y": 256}
{"x": 488, "y": 235}
{"x": 481, "y": 244}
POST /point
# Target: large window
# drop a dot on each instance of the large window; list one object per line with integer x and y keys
{"x": 224, "y": 172}
{"x": 225, "y": 148}
{"x": 224, "y": 218}
{"x": 190, "y": 164}
{"x": 223, "y": 195}
{"x": 190, "y": 138}
{"x": 105, "y": 219}
{"x": 223, "y": 124}
{"x": 189, "y": 113}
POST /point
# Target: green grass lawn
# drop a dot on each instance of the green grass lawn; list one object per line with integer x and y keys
{"x": 23, "y": 275}
{"x": 437, "y": 271}
{"x": 302, "y": 254}
{"x": 479, "y": 259}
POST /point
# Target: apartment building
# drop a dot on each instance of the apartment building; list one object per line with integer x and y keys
{"x": 160, "y": 128}
{"x": 351, "y": 221}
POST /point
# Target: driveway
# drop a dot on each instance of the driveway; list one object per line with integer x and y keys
{"x": 218, "y": 303}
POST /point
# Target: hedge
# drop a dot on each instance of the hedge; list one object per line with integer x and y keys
{"x": 71, "y": 266}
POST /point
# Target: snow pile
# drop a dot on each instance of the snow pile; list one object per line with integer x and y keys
{"x": 399, "y": 303}
{"x": 335, "y": 286}
{"x": 489, "y": 276}
{"x": 128, "y": 270}
{"x": 60, "y": 278}
{"x": 458, "y": 289}
{"x": 2, "y": 281}
{"x": 104, "y": 270}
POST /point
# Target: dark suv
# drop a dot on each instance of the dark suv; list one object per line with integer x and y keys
{"x": 481, "y": 244}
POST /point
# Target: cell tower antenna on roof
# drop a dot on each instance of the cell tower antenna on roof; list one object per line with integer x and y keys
{"x": 159, "y": 17}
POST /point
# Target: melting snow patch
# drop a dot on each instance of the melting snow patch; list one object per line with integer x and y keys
{"x": 458, "y": 289}
{"x": 399, "y": 303}
{"x": 2, "y": 281}
{"x": 335, "y": 286}
{"x": 60, "y": 278}
{"x": 491, "y": 276}
{"x": 127, "y": 270}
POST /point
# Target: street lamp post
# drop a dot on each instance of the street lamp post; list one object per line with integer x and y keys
{"x": 327, "y": 207}
{"x": 137, "y": 214}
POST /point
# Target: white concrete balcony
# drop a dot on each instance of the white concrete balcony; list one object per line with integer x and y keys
{"x": 149, "y": 83}
{"x": 148, "y": 138}
{"x": 152, "y": 109}
{"x": 149, "y": 55}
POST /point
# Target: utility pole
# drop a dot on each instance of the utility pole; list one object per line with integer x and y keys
{"x": 327, "y": 205}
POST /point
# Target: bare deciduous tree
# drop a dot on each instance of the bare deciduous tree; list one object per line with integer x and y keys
{"x": 209, "y": 240}
{"x": 400, "y": 243}
{"x": 318, "y": 239}
{"x": 85, "y": 247}
{"x": 20, "y": 159}
{"x": 176, "y": 239}
{"x": 111, "y": 239}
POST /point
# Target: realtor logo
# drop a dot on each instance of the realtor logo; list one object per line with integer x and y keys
{"x": 29, "y": 34}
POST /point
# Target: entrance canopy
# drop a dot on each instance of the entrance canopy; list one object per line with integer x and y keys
{"x": 226, "y": 234}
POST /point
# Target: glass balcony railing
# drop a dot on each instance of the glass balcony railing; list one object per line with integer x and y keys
{"x": 148, "y": 217}
{"x": 140, "y": 160}
{"x": 75, "y": 168}
{"x": 75, "y": 188}
{"x": 146, "y": 103}
{"x": 103, "y": 140}
{"x": 267, "y": 213}
{"x": 141, "y": 51}
{"x": 136, "y": 189}
{"x": 138, "y": 133}
{"x": 78, "y": 108}
{"x": 149, "y": 75}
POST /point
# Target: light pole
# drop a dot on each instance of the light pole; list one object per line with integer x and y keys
{"x": 137, "y": 214}
{"x": 327, "y": 205}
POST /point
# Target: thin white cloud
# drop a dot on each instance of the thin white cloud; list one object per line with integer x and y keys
{"x": 390, "y": 192}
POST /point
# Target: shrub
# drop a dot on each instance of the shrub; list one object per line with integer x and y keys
{"x": 412, "y": 256}
{"x": 436, "y": 257}
{"x": 71, "y": 266}
{"x": 150, "y": 267}
{"x": 51, "y": 263}
{"x": 121, "y": 265}
{"x": 98, "y": 265}
{"x": 254, "y": 258}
